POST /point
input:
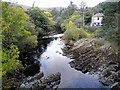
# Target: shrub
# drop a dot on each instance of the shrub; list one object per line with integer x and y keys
{"x": 10, "y": 59}
{"x": 74, "y": 33}
{"x": 90, "y": 29}
{"x": 69, "y": 24}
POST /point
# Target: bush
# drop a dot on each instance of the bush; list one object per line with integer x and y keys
{"x": 10, "y": 59}
{"x": 113, "y": 35}
{"x": 90, "y": 29}
{"x": 74, "y": 33}
{"x": 110, "y": 34}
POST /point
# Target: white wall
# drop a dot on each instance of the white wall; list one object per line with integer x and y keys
{"x": 95, "y": 20}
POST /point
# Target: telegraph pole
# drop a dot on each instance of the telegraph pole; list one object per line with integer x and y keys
{"x": 33, "y": 4}
{"x": 82, "y": 7}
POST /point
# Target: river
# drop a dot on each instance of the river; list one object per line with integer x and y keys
{"x": 53, "y": 61}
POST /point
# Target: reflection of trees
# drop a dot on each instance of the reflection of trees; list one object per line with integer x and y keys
{"x": 42, "y": 45}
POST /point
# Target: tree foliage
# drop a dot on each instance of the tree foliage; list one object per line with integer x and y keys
{"x": 55, "y": 13}
{"x": 13, "y": 24}
{"x": 16, "y": 34}
{"x": 10, "y": 58}
{"x": 67, "y": 12}
{"x": 50, "y": 18}
{"x": 39, "y": 18}
{"x": 72, "y": 13}
{"x": 110, "y": 21}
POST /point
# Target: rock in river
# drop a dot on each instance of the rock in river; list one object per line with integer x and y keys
{"x": 38, "y": 82}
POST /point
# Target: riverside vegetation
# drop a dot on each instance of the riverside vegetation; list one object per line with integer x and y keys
{"x": 20, "y": 32}
{"x": 94, "y": 50}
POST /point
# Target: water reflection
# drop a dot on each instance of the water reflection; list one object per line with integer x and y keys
{"x": 42, "y": 45}
{"x": 52, "y": 61}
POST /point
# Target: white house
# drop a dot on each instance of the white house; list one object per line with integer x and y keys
{"x": 97, "y": 19}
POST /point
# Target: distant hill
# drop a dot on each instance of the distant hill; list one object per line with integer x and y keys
{"x": 24, "y": 7}
{"x": 46, "y": 9}
{"x": 49, "y": 9}
{"x": 27, "y": 7}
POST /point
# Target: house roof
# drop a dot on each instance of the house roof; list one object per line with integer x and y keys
{"x": 99, "y": 15}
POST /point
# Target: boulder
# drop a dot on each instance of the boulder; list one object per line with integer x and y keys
{"x": 38, "y": 82}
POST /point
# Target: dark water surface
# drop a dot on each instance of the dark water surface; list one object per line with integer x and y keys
{"x": 52, "y": 61}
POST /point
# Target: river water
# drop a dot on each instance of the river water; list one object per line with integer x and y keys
{"x": 53, "y": 61}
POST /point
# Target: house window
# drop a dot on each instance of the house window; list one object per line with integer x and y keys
{"x": 97, "y": 24}
{"x": 98, "y": 18}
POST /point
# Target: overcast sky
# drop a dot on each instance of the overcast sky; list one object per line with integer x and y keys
{"x": 55, "y": 3}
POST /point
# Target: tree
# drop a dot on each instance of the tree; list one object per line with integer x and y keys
{"x": 83, "y": 6}
{"x": 14, "y": 31}
{"x": 110, "y": 21}
{"x": 55, "y": 13}
{"x": 38, "y": 18}
{"x": 50, "y": 18}
{"x": 88, "y": 15}
{"x": 67, "y": 12}
{"x": 14, "y": 22}
{"x": 110, "y": 9}
{"x": 10, "y": 59}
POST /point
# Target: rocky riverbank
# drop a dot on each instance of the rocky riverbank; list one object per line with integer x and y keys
{"x": 95, "y": 56}
{"x": 17, "y": 80}
{"x": 29, "y": 76}
{"x": 39, "y": 82}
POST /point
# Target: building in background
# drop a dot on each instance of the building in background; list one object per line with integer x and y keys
{"x": 97, "y": 19}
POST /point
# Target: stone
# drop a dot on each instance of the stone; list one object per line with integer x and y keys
{"x": 93, "y": 55}
{"x": 38, "y": 82}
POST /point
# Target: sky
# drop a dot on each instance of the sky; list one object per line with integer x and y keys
{"x": 55, "y": 3}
